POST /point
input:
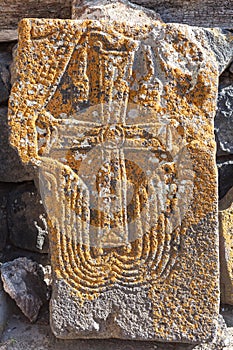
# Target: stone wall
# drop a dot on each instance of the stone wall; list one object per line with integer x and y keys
{"x": 23, "y": 226}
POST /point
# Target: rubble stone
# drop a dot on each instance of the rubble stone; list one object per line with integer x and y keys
{"x": 225, "y": 176}
{"x": 23, "y": 281}
{"x": 5, "y": 308}
{"x": 224, "y": 119}
{"x": 5, "y": 60}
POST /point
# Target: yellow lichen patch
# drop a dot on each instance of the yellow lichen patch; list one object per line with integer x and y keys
{"x": 119, "y": 121}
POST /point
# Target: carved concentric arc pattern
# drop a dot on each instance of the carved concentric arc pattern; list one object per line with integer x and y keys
{"x": 115, "y": 177}
{"x": 117, "y": 116}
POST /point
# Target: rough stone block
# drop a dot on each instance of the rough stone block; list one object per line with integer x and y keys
{"x": 27, "y": 220}
{"x": 12, "y": 11}
{"x": 225, "y": 176}
{"x": 5, "y": 308}
{"x": 226, "y": 247}
{"x": 23, "y": 281}
{"x": 5, "y": 59}
{"x": 118, "y": 116}
{"x": 224, "y": 118}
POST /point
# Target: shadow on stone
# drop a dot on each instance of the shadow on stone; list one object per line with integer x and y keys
{"x": 12, "y": 169}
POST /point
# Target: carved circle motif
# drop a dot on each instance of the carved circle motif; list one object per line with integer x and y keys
{"x": 113, "y": 175}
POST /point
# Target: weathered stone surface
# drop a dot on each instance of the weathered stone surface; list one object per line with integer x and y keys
{"x": 11, "y": 169}
{"x": 38, "y": 336}
{"x": 222, "y": 340}
{"x": 226, "y": 78}
{"x": 220, "y": 42}
{"x": 5, "y": 60}
{"x": 27, "y": 219}
{"x": 226, "y": 247}
{"x": 122, "y": 11}
{"x": 12, "y": 11}
{"x": 5, "y": 308}
{"x": 119, "y": 119}
{"x": 20, "y": 335}
{"x": 23, "y": 281}
{"x": 224, "y": 119}
{"x": 206, "y": 13}
{"x": 225, "y": 177}
{"x": 12, "y": 66}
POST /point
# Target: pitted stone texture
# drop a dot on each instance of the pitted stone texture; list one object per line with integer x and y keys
{"x": 27, "y": 220}
{"x": 23, "y": 281}
{"x": 226, "y": 247}
{"x": 119, "y": 119}
{"x": 222, "y": 340}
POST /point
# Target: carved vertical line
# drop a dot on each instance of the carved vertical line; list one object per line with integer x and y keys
{"x": 123, "y": 192}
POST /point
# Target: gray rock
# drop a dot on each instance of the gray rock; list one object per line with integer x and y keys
{"x": 23, "y": 281}
{"x": 27, "y": 219}
{"x": 5, "y": 308}
{"x": 221, "y": 44}
{"x": 227, "y": 313}
{"x": 224, "y": 119}
{"x": 225, "y": 177}
{"x": 231, "y": 68}
{"x": 12, "y": 11}
{"x": 207, "y": 13}
{"x": 5, "y": 60}
{"x": 106, "y": 9}
{"x": 219, "y": 41}
{"x": 225, "y": 79}
{"x": 11, "y": 169}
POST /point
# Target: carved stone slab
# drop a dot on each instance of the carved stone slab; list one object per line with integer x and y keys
{"x": 119, "y": 120}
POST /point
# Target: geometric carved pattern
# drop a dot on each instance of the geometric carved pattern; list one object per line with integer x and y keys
{"x": 109, "y": 126}
{"x": 123, "y": 234}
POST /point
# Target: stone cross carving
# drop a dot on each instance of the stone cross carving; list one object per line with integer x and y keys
{"x": 118, "y": 120}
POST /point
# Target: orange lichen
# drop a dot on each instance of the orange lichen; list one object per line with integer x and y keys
{"x": 69, "y": 70}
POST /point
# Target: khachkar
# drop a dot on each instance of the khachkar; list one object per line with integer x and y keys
{"x": 118, "y": 118}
